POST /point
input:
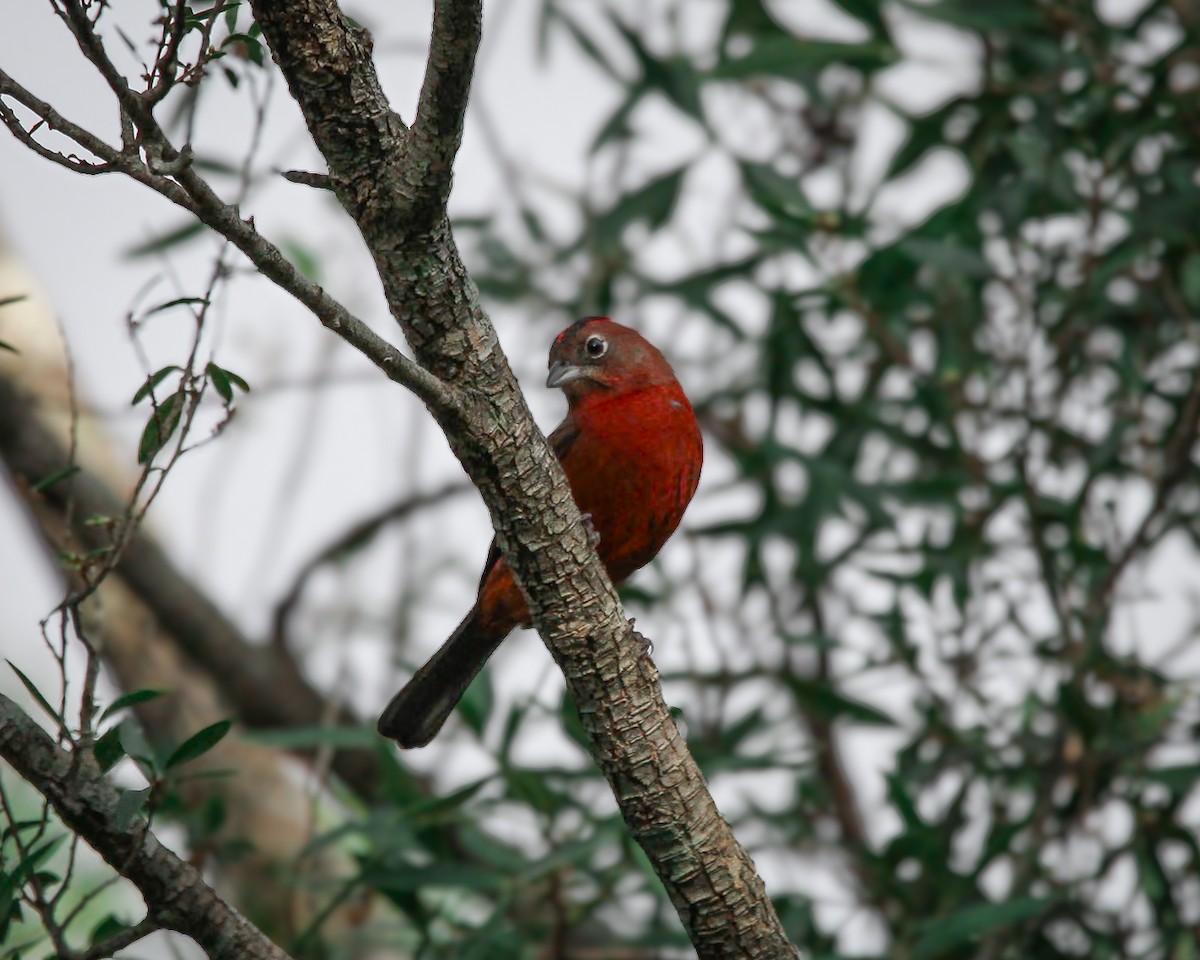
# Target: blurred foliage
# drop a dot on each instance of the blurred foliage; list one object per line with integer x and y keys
{"x": 956, "y": 450}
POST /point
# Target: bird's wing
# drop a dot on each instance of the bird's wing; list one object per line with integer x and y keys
{"x": 561, "y": 440}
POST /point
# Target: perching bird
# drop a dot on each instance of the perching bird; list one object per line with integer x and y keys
{"x": 631, "y": 449}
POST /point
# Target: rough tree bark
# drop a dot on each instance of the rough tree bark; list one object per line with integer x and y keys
{"x": 393, "y": 180}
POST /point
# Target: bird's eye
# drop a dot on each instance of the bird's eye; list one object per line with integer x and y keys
{"x": 595, "y": 347}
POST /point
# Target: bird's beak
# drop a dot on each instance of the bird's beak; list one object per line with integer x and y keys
{"x": 562, "y": 372}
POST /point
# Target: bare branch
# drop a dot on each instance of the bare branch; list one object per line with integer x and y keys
{"x": 318, "y": 181}
{"x": 437, "y": 131}
{"x": 118, "y": 941}
{"x": 48, "y": 117}
{"x": 358, "y": 534}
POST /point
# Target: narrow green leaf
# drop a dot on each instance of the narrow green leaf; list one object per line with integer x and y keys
{"x": 302, "y": 258}
{"x": 35, "y": 693}
{"x": 822, "y": 700}
{"x": 130, "y": 804}
{"x": 405, "y": 878}
{"x": 160, "y": 427}
{"x": 47, "y": 482}
{"x": 781, "y": 55}
{"x": 178, "y": 302}
{"x": 1189, "y": 279}
{"x": 476, "y": 704}
{"x": 164, "y": 241}
{"x": 947, "y": 255}
{"x": 971, "y": 922}
{"x": 220, "y": 382}
{"x": 130, "y": 700}
{"x": 777, "y": 194}
{"x": 653, "y": 203}
{"x": 224, "y": 381}
{"x": 4, "y": 345}
{"x": 198, "y": 744}
{"x": 107, "y": 928}
{"x": 108, "y": 749}
{"x": 153, "y": 381}
{"x": 1178, "y": 779}
{"x": 134, "y": 744}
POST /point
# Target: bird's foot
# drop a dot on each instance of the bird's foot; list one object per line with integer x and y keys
{"x": 592, "y": 532}
{"x": 646, "y": 644}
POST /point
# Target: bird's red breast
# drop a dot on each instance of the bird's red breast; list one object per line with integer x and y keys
{"x": 632, "y": 452}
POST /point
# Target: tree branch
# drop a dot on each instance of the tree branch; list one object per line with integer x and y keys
{"x": 175, "y": 893}
{"x": 167, "y": 172}
{"x": 351, "y": 539}
{"x": 441, "y": 110}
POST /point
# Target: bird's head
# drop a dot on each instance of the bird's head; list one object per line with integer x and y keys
{"x": 596, "y": 355}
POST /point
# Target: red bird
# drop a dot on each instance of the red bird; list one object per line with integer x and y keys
{"x": 631, "y": 449}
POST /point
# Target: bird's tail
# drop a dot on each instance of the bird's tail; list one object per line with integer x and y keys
{"x": 418, "y": 711}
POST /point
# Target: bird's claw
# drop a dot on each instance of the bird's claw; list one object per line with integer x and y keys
{"x": 643, "y": 641}
{"x": 592, "y": 532}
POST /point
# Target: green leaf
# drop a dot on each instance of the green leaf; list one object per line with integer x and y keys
{"x": 653, "y": 203}
{"x": 476, "y": 704}
{"x": 584, "y": 40}
{"x": 777, "y": 194}
{"x": 947, "y": 255}
{"x": 29, "y": 864}
{"x": 302, "y": 258}
{"x": 1189, "y": 279}
{"x": 572, "y": 722}
{"x": 164, "y": 241}
{"x": 405, "y": 878}
{"x": 820, "y": 698}
{"x": 107, "y": 928}
{"x": 972, "y": 922}
{"x": 869, "y": 12}
{"x": 198, "y": 744}
{"x": 9, "y": 301}
{"x": 35, "y": 693}
{"x": 129, "y": 806}
{"x": 47, "y": 482}
{"x": 4, "y": 345}
{"x": 252, "y": 46}
{"x": 130, "y": 700}
{"x": 782, "y": 55}
{"x": 153, "y": 381}
{"x": 1177, "y": 779}
{"x": 220, "y": 382}
{"x": 160, "y": 427}
{"x": 108, "y": 749}
{"x": 178, "y": 302}
{"x": 224, "y": 381}
{"x": 674, "y": 77}
{"x": 977, "y": 16}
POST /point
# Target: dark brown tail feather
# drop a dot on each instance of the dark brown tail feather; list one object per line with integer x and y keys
{"x": 418, "y": 711}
